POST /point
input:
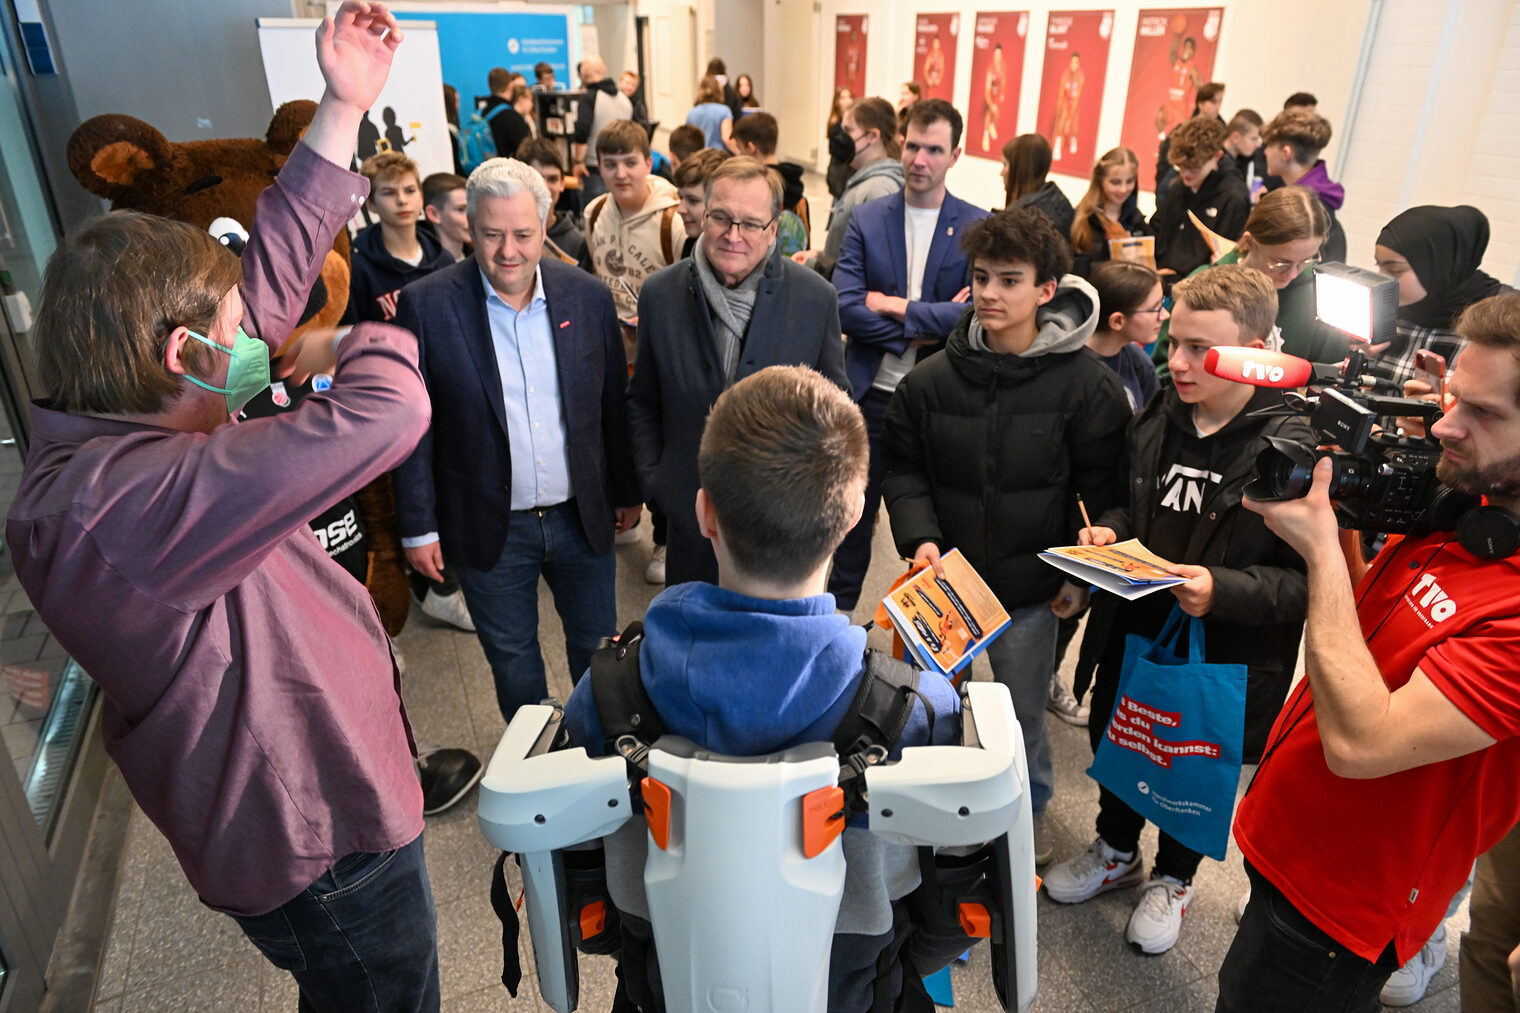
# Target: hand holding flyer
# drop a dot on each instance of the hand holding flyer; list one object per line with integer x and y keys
{"x": 944, "y": 621}
{"x": 1128, "y": 569}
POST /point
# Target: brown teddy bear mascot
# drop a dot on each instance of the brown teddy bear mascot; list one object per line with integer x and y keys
{"x": 215, "y": 185}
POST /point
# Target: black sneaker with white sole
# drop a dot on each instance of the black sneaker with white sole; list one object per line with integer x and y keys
{"x": 447, "y": 775}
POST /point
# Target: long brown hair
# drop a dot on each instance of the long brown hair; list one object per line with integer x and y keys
{"x": 1123, "y": 286}
{"x": 1028, "y": 159}
{"x": 1092, "y": 200}
{"x": 835, "y": 113}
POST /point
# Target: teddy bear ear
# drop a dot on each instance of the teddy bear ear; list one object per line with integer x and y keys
{"x": 111, "y": 155}
{"x": 289, "y": 123}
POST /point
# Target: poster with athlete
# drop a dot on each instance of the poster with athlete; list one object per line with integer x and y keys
{"x": 1071, "y": 87}
{"x": 997, "y": 68}
{"x": 1174, "y": 54}
{"x": 850, "y": 53}
{"x": 934, "y": 53}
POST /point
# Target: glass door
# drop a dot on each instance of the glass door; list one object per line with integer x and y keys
{"x": 47, "y": 794}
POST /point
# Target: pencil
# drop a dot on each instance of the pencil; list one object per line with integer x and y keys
{"x": 1086, "y": 520}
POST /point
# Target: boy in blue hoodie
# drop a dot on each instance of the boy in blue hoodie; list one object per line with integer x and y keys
{"x": 761, "y": 661}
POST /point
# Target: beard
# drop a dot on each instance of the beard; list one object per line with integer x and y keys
{"x": 1501, "y": 478}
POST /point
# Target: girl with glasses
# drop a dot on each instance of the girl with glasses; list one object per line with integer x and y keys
{"x": 1282, "y": 240}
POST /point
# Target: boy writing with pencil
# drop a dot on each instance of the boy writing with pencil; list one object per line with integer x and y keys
{"x": 1191, "y": 451}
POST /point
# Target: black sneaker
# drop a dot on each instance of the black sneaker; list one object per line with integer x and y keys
{"x": 447, "y": 775}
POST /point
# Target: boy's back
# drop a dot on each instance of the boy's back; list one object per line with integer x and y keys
{"x": 762, "y": 661}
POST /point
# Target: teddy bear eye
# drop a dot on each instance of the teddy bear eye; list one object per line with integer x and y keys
{"x": 230, "y": 233}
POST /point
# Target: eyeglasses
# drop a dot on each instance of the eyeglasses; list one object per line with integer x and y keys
{"x": 1163, "y": 307}
{"x": 722, "y": 221}
{"x": 1292, "y": 266}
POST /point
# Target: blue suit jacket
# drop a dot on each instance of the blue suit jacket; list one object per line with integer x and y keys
{"x": 458, "y": 480}
{"x": 875, "y": 259}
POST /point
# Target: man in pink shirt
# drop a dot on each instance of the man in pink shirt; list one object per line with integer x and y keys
{"x": 250, "y": 698}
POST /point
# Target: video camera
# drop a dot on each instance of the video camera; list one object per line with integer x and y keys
{"x": 1382, "y": 480}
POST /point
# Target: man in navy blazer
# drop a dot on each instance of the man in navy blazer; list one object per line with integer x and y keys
{"x": 903, "y": 283}
{"x": 733, "y": 307}
{"x": 527, "y": 469}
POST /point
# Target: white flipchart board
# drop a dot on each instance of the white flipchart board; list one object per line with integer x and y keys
{"x": 414, "y": 90}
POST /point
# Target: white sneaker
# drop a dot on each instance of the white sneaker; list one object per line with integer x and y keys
{"x": 1064, "y": 705}
{"x": 1157, "y": 920}
{"x": 654, "y": 573}
{"x": 630, "y": 537}
{"x": 1097, "y": 870}
{"x": 448, "y": 608}
{"x": 1407, "y": 985}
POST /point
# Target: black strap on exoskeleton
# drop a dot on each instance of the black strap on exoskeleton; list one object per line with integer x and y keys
{"x": 874, "y": 722}
{"x": 630, "y": 723}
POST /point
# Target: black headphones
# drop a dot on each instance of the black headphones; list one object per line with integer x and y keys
{"x": 1488, "y": 532}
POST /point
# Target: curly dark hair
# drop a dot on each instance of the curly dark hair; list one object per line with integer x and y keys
{"x": 1021, "y": 234}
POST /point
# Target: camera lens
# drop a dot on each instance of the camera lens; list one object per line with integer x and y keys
{"x": 1284, "y": 470}
{"x": 1349, "y": 476}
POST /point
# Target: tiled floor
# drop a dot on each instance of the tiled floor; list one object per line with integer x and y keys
{"x": 166, "y": 952}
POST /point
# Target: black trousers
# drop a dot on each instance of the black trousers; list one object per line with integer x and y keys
{"x": 1280, "y": 960}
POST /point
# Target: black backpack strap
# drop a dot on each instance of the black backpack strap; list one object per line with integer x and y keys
{"x": 506, "y": 911}
{"x": 622, "y": 704}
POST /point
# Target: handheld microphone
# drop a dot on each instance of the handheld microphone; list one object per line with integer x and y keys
{"x": 1258, "y": 366}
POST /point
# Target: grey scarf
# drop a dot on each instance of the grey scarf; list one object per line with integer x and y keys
{"x": 731, "y": 307}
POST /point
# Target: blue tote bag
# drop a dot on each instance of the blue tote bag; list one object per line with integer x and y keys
{"x": 1171, "y": 750}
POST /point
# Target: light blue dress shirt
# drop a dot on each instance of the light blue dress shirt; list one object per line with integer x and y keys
{"x": 524, "y": 346}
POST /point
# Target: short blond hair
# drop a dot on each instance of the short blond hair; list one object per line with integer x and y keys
{"x": 1245, "y": 293}
{"x": 386, "y": 166}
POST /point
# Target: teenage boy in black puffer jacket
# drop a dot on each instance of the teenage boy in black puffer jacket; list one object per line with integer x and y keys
{"x": 989, "y": 443}
{"x": 1219, "y": 199}
{"x": 1191, "y": 451}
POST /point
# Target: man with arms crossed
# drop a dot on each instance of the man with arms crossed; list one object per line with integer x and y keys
{"x": 251, "y": 701}
{"x": 1394, "y": 764}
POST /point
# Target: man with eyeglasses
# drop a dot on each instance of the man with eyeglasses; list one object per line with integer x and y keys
{"x": 903, "y": 284}
{"x": 732, "y": 308}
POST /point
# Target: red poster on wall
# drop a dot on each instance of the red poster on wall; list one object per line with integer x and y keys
{"x": 1174, "y": 54}
{"x": 1071, "y": 86}
{"x": 850, "y": 53}
{"x": 997, "y": 68}
{"x": 934, "y": 53}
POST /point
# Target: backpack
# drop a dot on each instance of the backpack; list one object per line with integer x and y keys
{"x": 668, "y": 216}
{"x": 477, "y": 141}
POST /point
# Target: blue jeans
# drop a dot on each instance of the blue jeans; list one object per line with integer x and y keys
{"x": 363, "y": 937}
{"x": 504, "y": 601}
{"x": 1022, "y": 658}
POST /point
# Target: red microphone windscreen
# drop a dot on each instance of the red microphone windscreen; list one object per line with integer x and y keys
{"x": 1258, "y": 366}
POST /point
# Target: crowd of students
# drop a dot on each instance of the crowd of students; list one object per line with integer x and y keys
{"x": 551, "y": 372}
{"x": 1046, "y": 285}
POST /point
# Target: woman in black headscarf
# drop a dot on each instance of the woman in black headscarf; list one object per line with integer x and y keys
{"x": 1434, "y": 253}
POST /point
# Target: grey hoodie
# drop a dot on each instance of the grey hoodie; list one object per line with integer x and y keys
{"x": 1066, "y": 322}
{"x": 882, "y": 178}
